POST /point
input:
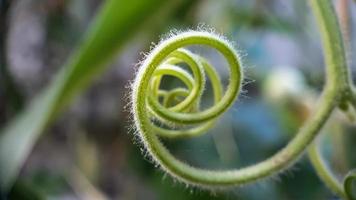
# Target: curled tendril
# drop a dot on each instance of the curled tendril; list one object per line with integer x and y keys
{"x": 179, "y": 109}
{"x": 177, "y": 112}
{"x": 185, "y": 118}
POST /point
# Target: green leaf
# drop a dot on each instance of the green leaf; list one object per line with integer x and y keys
{"x": 116, "y": 22}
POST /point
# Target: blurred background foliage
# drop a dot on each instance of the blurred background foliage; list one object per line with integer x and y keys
{"x": 90, "y": 151}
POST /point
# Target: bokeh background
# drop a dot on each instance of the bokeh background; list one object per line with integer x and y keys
{"x": 90, "y": 151}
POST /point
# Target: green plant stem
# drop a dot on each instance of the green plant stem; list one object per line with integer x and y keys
{"x": 323, "y": 171}
{"x": 336, "y": 91}
{"x": 338, "y": 75}
{"x": 209, "y": 178}
{"x": 343, "y": 190}
{"x": 339, "y": 79}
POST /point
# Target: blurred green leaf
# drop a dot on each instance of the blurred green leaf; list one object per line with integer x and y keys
{"x": 116, "y": 22}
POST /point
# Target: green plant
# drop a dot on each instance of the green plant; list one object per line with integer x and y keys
{"x": 164, "y": 59}
{"x": 115, "y": 23}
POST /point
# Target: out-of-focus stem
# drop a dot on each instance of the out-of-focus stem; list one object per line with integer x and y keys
{"x": 343, "y": 11}
{"x": 323, "y": 171}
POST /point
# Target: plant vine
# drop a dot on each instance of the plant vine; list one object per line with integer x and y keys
{"x": 177, "y": 112}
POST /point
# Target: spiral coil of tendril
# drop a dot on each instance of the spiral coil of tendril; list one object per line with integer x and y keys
{"x": 164, "y": 60}
{"x": 187, "y": 112}
{"x": 178, "y": 111}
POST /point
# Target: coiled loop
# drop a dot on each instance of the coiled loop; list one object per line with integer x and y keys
{"x": 164, "y": 60}
{"x": 163, "y": 112}
{"x": 177, "y": 113}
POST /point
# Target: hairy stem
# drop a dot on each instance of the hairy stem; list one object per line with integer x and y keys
{"x": 337, "y": 89}
{"x": 323, "y": 171}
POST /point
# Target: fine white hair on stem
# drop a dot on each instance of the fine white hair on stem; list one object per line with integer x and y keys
{"x": 338, "y": 91}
